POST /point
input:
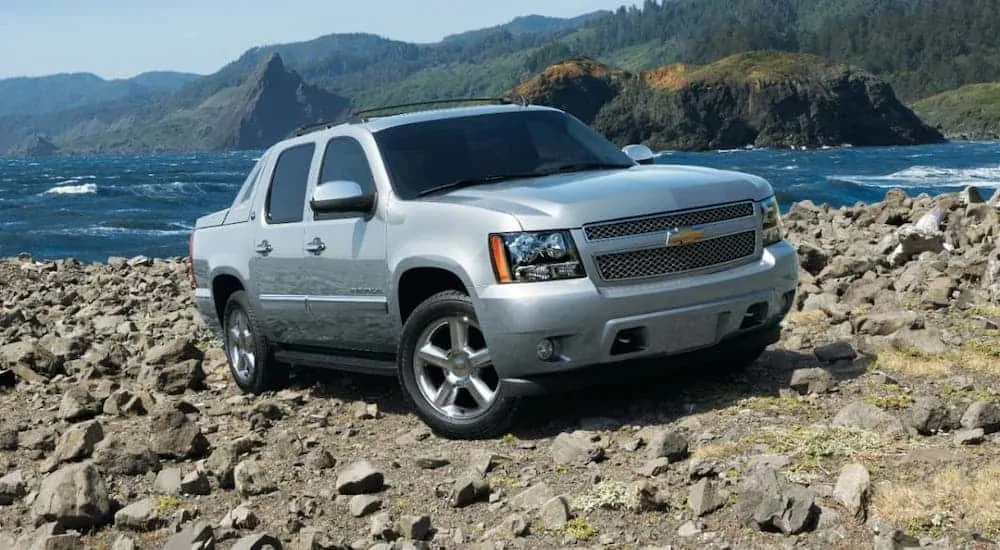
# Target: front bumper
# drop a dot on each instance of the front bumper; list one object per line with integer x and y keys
{"x": 593, "y": 325}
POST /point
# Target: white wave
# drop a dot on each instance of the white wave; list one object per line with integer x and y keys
{"x": 929, "y": 176}
{"x": 101, "y": 231}
{"x": 84, "y": 189}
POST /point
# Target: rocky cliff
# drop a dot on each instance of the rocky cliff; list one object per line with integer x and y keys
{"x": 269, "y": 105}
{"x": 763, "y": 99}
{"x": 876, "y": 419}
{"x": 36, "y": 146}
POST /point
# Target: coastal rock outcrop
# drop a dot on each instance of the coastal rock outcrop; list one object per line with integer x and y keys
{"x": 762, "y": 99}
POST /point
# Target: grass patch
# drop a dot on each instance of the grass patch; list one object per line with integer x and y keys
{"x": 890, "y": 396}
{"x": 774, "y": 404}
{"x": 913, "y": 363}
{"x": 948, "y": 500}
{"x": 580, "y": 529}
{"x": 808, "y": 447}
{"x": 167, "y": 504}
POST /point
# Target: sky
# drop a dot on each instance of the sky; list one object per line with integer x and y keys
{"x": 121, "y": 38}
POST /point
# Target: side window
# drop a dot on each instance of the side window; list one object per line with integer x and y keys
{"x": 345, "y": 159}
{"x": 251, "y": 182}
{"x": 286, "y": 197}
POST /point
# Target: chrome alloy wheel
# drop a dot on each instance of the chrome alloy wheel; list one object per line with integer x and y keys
{"x": 240, "y": 345}
{"x": 453, "y": 369}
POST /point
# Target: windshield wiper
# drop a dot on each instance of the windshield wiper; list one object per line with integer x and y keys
{"x": 581, "y": 166}
{"x": 469, "y": 182}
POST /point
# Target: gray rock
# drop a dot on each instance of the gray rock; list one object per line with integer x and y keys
{"x": 655, "y": 467}
{"x": 12, "y": 487}
{"x": 168, "y": 481}
{"x": 644, "y": 496}
{"x": 924, "y": 342}
{"x": 555, "y": 513}
{"x": 196, "y": 483}
{"x": 533, "y": 497}
{"x": 124, "y": 403}
{"x": 174, "y": 351}
{"x": 575, "y": 448}
{"x": 975, "y": 436}
{"x": 470, "y": 489}
{"x": 703, "y": 497}
{"x": 116, "y": 457}
{"x": 320, "y": 459}
{"x": 982, "y": 414}
{"x": 814, "y": 380}
{"x": 380, "y": 527}
{"x": 176, "y": 436}
{"x": 363, "y": 505}
{"x": 511, "y": 526}
{"x": 770, "y": 502}
{"x": 360, "y": 478}
{"x": 140, "y": 516}
{"x": 78, "y": 404}
{"x": 914, "y": 241}
{"x": 173, "y": 378}
{"x": 431, "y": 463}
{"x": 195, "y": 536}
{"x": 852, "y": 489}
{"x": 669, "y": 444}
{"x": 838, "y": 351}
{"x": 252, "y": 477}
{"x": 688, "y": 529}
{"x": 65, "y": 541}
{"x": 75, "y": 497}
{"x": 928, "y": 416}
{"x": 124, "y": 542}
{"x": 40, "y": 439}
{"x": 240, "y": 517}
{"x": 885, "y": 324}
{"x": 221, "y": 464}
{"x": 869, "y": 417}
{"x": 415, "y": 527}
{"x": 78, "y": 442}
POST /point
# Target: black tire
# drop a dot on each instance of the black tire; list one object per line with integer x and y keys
{"x": 494, "y": 420}
{"x": 266, "y": 373}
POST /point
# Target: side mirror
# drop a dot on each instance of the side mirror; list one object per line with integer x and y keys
{"x": 339, "y": 196}
{"x": 640, "y": 154}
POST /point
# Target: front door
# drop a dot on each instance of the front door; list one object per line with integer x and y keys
{"x": 345, "y": 263}
{"x": 276, "y": 263}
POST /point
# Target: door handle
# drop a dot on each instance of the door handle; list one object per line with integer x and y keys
{"x": 263, "y": 247}
{"x": 315, "y": 246}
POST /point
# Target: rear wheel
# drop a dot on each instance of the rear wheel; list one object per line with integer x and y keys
{"x": 248, "y": 351}
{"x": 446, "y": 371}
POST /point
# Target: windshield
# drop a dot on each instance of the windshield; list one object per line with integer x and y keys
{"x": 426, "y": 156}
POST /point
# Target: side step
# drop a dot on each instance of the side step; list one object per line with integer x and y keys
{"x": 346, "y": 363}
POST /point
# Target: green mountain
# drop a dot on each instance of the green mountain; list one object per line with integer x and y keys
{"x": 27, "y": 95}
{"x": 918, "y": 47}
{"x": 970, "y": 112}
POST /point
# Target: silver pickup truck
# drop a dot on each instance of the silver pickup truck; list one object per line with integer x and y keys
{"x": 485, "y": 253}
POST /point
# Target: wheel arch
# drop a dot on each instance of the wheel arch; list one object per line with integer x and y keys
{"x": 418, "y": 282}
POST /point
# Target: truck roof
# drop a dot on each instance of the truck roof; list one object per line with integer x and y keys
{"x": 381, "y": 123}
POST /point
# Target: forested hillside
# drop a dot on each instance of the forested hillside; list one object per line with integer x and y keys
{"x": 919, "y": 47}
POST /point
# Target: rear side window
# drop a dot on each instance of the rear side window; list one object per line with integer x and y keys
{"x": 286, "y": 197}
{"x": 345, "y": 159}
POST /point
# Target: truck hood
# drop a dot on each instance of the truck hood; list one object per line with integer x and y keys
{"x": 568, "y": 201}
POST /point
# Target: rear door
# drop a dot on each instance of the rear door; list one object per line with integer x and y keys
{"x": 348, "y": 278}
{"x": 276, "y": 262}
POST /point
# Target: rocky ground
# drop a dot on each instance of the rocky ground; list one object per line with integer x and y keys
{"x": 876, "y": 420}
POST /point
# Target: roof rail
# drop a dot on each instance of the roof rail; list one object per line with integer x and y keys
{"x": 362, "y": 116}
{"x": 493, "y": 100}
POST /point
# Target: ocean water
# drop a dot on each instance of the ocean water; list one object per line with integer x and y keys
{"x": 91, "y": 208}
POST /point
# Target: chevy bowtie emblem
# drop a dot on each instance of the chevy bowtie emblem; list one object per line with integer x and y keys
{"x": 685, "y": 235}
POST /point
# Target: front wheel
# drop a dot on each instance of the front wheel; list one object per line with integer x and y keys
{"x": 446, "y": 371}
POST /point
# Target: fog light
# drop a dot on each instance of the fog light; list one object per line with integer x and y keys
{"x": 546, "y": 349}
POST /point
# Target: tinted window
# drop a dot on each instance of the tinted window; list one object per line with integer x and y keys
{"x": 424, "y": 155}
{"x": 345, "y": 159}
{"x": 251, "y": 182}
{"x": 287, "y": 196}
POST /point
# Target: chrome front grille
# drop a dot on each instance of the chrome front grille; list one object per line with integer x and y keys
{"x": 669, "y": 260}
{"x": 663, "y": 222}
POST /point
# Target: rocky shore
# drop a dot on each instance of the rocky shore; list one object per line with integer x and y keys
{"x": 876, "y": 420}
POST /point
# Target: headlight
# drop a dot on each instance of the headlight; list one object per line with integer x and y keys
{"x": 771, "y": 216}
{"x": 535, "y": 256}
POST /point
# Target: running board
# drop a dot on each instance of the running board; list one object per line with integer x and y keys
{"x": 346, "y": 363}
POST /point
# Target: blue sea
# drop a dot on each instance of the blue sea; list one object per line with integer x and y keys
{"x": 90, "y": 208}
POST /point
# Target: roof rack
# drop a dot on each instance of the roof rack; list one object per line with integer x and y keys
{"x": 363, "y": 116}
{"x": 493, "y": 100}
